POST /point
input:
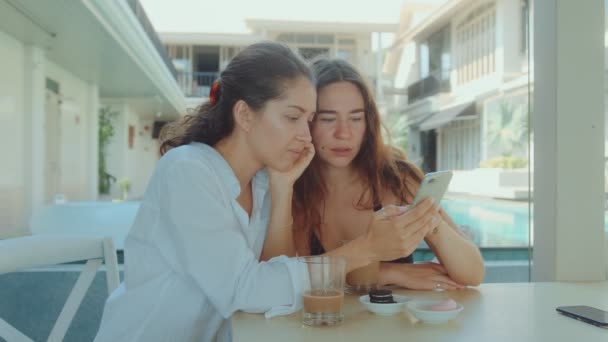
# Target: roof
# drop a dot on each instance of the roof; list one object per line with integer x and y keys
{"x": 320, "y": 26}
{"x": 447, "y": 115}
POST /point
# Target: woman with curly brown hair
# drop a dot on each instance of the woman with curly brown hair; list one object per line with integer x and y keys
{"x": 191, "y": 256}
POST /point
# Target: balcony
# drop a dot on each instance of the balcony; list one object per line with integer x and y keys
{"x": 437, "y": 82}
{"x": 196, "y": 84}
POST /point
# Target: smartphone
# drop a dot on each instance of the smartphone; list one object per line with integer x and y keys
{"x": 586, "y": 314}
{"x": 434, "y": 185}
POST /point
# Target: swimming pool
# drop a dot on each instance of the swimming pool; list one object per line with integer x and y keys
{"x": 493, "y": 223}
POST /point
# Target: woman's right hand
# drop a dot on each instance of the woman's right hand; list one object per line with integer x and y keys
{"x": 395, "y": 232}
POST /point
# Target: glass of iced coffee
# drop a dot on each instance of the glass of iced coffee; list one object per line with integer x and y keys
{"x": 363, "y": 279}
{"x": 324, "y": 296}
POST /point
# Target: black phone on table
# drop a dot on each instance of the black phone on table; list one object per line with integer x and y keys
{"x": 586, "y": 314}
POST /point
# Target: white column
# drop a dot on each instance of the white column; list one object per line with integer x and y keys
{"x": 440, "y": 164}
{"x": 93, "y": 143}
{"x": 508, "y": 33}
{"x": 34, "y": 137}
{"x": 568, "y": 124}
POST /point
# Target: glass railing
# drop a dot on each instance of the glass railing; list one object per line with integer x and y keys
{"x": 196, "y": 84}
{"x": 436, "y": 82}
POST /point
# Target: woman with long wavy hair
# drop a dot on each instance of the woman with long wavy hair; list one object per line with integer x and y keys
{"x": 352, "y": 173}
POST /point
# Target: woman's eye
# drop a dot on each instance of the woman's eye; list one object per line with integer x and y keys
{"x": 293, "y": 118}
{"x": 356, "y": 119}
{"x": 327, "y": 119}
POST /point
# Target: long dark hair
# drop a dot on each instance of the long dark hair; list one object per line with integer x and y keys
{"x": 379, "y": 165}
{"x": 256, "y": 75}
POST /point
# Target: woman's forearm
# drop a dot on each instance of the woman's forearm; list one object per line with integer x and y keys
{"x": 460, "y": 257}
{"x": 279, "y": 236}
{"x": 356, "y": 252}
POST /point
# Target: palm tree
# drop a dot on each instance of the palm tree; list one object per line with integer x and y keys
{"x": 508, "y": 129}
{"x": 398, "y": 129}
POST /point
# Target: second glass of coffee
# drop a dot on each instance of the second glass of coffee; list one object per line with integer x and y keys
{"x": 362, "y": 279}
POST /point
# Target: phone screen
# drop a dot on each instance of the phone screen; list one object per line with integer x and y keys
{"x": 593, "y": 314}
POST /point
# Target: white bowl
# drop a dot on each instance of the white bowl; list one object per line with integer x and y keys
{"x": 385, "y": 309}
{"x": 421, "y": 310}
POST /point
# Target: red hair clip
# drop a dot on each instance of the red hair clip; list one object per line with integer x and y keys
{"x": 214, "y": 93}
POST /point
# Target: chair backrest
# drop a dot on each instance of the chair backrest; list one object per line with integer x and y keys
{"x": 43, "y": 250}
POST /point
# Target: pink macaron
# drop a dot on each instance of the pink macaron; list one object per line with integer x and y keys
{"x": 446, "y": 305}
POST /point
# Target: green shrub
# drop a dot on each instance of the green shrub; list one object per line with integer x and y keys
{"x": 505, "y": 163}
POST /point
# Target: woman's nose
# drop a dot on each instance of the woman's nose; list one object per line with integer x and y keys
{"x": 342, "y": 129}
{"x": 304, "y": 133}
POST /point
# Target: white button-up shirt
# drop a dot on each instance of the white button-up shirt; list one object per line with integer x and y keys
{"x": 191, "y": 257}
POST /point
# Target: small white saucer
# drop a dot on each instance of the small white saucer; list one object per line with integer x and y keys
{"x": 420, "y": 309}
{"x": 385, "y": 309}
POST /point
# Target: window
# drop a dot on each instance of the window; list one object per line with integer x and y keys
{"x": 475, "y": 44}
{"x": 309, "y": 53}
{"x": 435, "y": 55}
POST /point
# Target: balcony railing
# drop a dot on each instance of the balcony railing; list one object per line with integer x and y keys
{"x": 437, "y": 82}
{"x": 196, "y": 84}
{"x": 141, "y": 16}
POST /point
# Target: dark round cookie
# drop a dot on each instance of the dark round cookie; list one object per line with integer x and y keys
{"x": 381, "y": 296}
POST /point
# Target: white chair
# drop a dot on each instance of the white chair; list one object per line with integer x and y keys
{"x": 36, "y": 251}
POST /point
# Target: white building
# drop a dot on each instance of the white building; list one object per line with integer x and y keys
{"x": 62, "y": 62}
{"x": 200, "y": 57}
{"x": 464, "y": 73}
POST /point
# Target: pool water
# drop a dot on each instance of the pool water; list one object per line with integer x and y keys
{"x": 493, "y": 223}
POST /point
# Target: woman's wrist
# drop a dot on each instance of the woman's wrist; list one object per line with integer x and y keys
{"x": 281, "y": 194}
{"x": 356, "y": 252}
{"x": 389, "y": 274}
{"x": 436, "y": 234}
{"x": 363, "y": 246}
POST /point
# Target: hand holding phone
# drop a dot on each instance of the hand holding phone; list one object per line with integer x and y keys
{"x": 434, "y": 185}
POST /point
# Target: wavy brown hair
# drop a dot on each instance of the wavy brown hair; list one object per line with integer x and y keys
{"x": 379, "y": 165}
{"x": 256, "y": 75}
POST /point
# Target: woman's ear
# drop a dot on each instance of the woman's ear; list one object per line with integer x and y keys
{"x": 243, "y": 115}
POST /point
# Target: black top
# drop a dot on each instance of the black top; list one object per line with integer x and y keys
{"x": 316, "y": 248}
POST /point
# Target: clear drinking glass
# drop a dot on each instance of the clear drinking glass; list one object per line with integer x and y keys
{"x": 324, "y": 298}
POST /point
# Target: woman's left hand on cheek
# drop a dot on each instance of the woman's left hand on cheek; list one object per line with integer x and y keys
{"x": 289, "y": 177}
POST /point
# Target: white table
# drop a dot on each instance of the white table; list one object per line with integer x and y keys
{"x": 90, "y": 219}
{"x": 492, "y": 312}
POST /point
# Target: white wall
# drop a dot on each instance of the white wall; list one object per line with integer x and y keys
{"x": 22, "y": 133}
{"x": 137, "y": 162}
{"x": 508, "y": 37}
{"x": 12, "y": 190}
{"x": 147, "y": 156}
{"x": 569, "y": 137}
{"x": 75, "y": 139}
